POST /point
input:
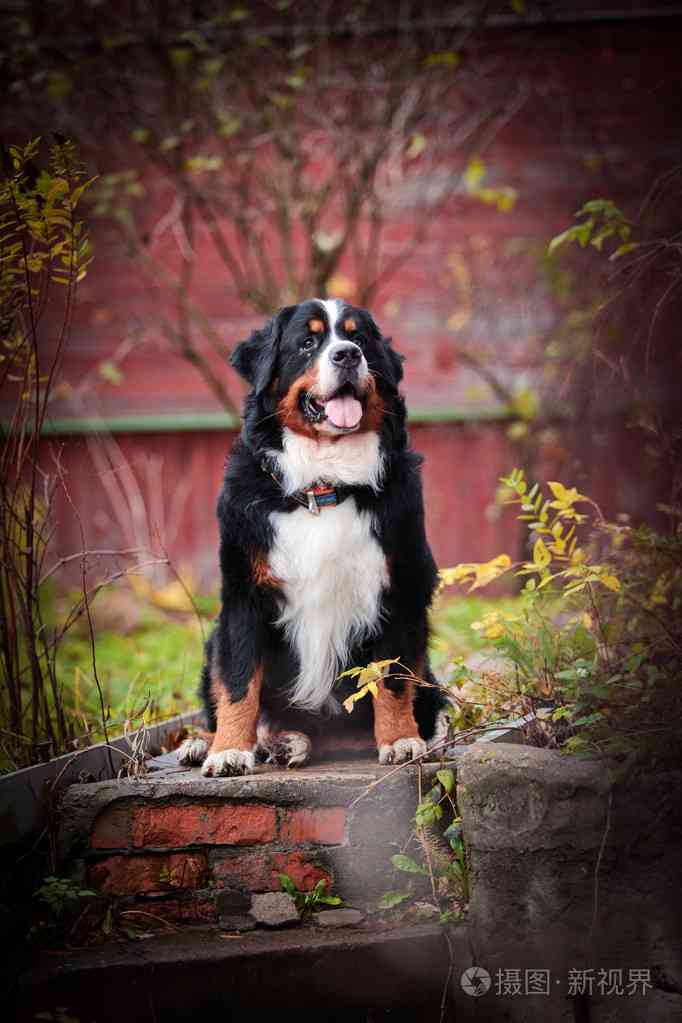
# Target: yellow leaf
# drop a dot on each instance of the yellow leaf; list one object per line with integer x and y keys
{"x": 611, "y": 582}
{"x": 541, "y": 556}
{"x": 492, "y": 625}
{"x": 477, "y": 574}
{"x": 565, "y": 497}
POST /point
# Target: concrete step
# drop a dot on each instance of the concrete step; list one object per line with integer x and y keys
{"x": 349, "y": 976}
{"x": 171, "y": 842}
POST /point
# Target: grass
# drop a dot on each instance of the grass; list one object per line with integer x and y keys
{"x": 156, "y": 664}
{"x": 451, "y": 621}
{"x": 154, "y": 667}
{"x": 148, "y": 659}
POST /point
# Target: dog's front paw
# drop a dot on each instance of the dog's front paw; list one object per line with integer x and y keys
{"x": 289, "y": 749}
{"x": 401, "y": 750}
{"x": 227, "y": 762}
{"x": 192, "y": 751}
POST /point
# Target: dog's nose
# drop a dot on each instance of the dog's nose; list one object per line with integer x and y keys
{"x": 347, "y": 355}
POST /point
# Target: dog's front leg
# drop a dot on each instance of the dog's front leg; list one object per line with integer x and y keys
{"x": 395, "y": 729}
{"x": 234, "y": 742}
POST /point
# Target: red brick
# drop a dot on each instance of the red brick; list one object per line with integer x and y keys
{"x": 165, "y": 910}
{"x": 302, "y": 872}
{"x": 174, "y": 826}
{"x": 323, "y": 825}
{"x": 249, "y": 871}
{"x": 112, "y": 828}
{"x": 132, "y": 875}
{"x": 196, "y": 907}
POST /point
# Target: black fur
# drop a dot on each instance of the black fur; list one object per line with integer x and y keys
{"x": 245, "y": 636}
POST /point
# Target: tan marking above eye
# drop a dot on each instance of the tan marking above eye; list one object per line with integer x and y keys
{"x": 316, "y": 326}
{"x": 350, "y": 325}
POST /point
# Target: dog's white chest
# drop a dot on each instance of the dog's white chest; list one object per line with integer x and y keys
{"x": 332, "y": 572}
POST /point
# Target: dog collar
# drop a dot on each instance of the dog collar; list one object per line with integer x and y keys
{"x": 320, "y": 494}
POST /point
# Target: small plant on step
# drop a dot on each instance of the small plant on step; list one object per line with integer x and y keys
{"x": 61, "y": 894}
{"x": 443, "y": 855}
{"x": 309, "y": 902}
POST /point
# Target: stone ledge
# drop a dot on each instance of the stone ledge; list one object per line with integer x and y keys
{"x": 177, "y": 838}
{"x": 175, "y": 976}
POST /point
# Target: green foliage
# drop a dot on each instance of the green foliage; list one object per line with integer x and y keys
{"x": 389, "y": 900}
{"x": 405, "y": 863}
{"x": 602, "y": 220}
{"x": 44, "y": 255}
{"x": 309, "y": 902}
{"x": 60, "y": 894}
{"x": 156, "y": 665}
{"x": 443, "y": 854}
{"x": 594, "y": 655}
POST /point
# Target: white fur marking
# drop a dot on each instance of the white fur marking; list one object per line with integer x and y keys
{"x": 192, "y": 750}
{"x": 328, "y": 374}
{"x": 333, "y": 572}
{"x": 227, "y": 762}
{"x": 332, "y": 308}
{"x": 353, "y": 460}
{"x": 401, "y": 750}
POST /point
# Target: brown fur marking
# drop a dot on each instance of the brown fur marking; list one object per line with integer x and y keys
{"x": 350, "y": 325}
{"x": 262, "y": 576}
{"x": 236, "y": 722}
{"x": 393, "y": 715}
{"x": 316, "y": 326}
{"x": 373, "y": 416}
{"x": 288, "y": 412}
{"x": 290, "y": 415}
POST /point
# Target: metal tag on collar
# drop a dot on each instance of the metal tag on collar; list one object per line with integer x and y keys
{"x": 313, "y": 506}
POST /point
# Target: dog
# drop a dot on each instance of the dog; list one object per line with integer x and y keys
{"x": 323, "y": 553}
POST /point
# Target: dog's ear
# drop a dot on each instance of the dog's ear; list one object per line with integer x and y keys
{"x": 395, "y": 358}
{"x": 255, "y": 358}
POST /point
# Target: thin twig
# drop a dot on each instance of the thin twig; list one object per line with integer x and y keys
{"x": 602, "y": 847}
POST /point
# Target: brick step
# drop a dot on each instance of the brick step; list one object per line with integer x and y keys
{"x": 175, "y": 976}
{"x": 171, "y": 842}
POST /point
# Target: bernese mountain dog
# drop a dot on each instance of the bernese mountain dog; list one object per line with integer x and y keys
{"x": 323, "y": 553}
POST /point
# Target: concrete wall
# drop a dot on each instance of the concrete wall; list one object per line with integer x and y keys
{"x": 573, "y": 869}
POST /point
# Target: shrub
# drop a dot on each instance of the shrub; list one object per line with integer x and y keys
{"x": 595, "y": 655}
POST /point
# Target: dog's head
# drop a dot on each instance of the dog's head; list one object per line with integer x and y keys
{"x": 321, "y": 367}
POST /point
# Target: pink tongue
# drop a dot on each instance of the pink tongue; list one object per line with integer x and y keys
{"x": 346, "y": 411}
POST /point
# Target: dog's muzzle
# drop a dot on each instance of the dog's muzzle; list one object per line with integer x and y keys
{"x": 342, "y": 381}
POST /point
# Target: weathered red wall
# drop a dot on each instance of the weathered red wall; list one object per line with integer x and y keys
{"x": 601, "y": 118}
{"x": 179, "y": 476}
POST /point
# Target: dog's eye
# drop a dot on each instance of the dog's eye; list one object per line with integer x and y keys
{"x": 308, "y": 344}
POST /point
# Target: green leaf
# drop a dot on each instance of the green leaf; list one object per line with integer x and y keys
{"x": 390, "y": 899}
{"x": 287, "y": 884}
{"x": 407, "y": 864}
{"x": 454, "y": 833}
{"x": 623, "y": 249}
{"x": 447, "y": 779}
